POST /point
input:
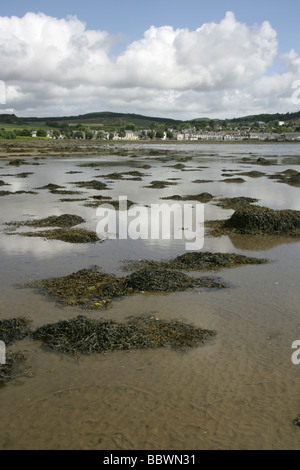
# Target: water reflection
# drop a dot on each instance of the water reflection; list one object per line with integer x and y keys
{"x": 259, "y": 242}
{"x": 209, "y": 160}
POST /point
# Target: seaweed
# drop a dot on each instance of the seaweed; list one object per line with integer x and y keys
{"x": 66, "y": 199}
{"x": 235, "y": 202}
{"x": 51, "y": 186}
{"x": 134, "y": 175}
{"x": 203, "y": 197}
{"x": 25, "y": 174}
{"x": 87, "y": 287}
{"x": 197, "y": 261}
{"x": 69, "y": 235}
{"x": 290, "y": 177}
{"x": 263, "y": 161}
{"x": 202, "y": 181}
{"x": 83, "y": 335}
{"x": 100, "y": 197}
{"x": 94, "y": 289}
{"x": 94, "y": 184}
{"x": 233, "y": 180}
{"x": 14, "y": 329}
{"x": 253, "y": 174}
{"x": 159, "y": 184}
{"x": 64, "y": 220}
{"x": 17, "y": 162}
{"x": 8, "y": 193}
{"x": 161, "y": 279}
{"x": 115, "y": 204}
{"x": 64, "y": 191}
{"x": 258, "y": 220}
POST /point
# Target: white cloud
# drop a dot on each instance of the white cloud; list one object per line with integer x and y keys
{"x": 57, "y": 66}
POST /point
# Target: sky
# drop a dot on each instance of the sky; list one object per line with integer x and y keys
{"x": 166, "y": 58}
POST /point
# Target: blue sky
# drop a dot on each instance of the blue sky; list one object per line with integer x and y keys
{"x": 271, "y": 65}
{"x": 133, "y": 17}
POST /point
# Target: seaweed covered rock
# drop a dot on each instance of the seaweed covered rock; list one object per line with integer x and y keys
{"x": 82, "y": 335}
{"x": 290, "y": 177}
{"x": 256, "y": 219}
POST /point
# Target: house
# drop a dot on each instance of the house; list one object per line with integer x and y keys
{"x": 131, "y": 135}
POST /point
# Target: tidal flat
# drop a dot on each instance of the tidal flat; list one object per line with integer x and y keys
{"x": 134, "y": 343}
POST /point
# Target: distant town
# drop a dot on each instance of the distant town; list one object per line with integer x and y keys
{"x": 131, "y": 127}
{"x": 281, "y": 131}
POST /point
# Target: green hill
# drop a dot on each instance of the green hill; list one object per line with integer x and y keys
{"x": 106, "y": 119}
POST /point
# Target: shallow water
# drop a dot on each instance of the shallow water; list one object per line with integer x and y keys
{"x": 238, "y": 391}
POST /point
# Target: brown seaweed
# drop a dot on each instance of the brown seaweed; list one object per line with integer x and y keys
{"x": 82, "y": 335}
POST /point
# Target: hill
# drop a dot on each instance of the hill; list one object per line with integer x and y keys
{"x": 107, "y": 120}
{"x": 115, "y": 121}
{"x": 268, "y": 117}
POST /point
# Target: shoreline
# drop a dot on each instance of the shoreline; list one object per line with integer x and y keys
{"x": 39, "y": 148}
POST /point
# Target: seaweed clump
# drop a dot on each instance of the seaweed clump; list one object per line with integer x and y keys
{"x": 290, "y": 177}
{"x": 51, "y": 187}
{"x": 94, "y": 184}
{"x": 14, "y": 329}
{"x": 69, "y": 235}
{"x": 156, "y": 184}
{"x": 82, "y": 335}
{"x": 65, "y": 231}
{"x": 162, "y": 279}
{"x": 93, "y": 289}
{"x": 64, "y": 220}
{"x": 17, "y": 162}
{"x": 115, "y": 204}
{"x": 233, "y": 180}
{"x": 203, "y": 197}
{"x": 87, "y": 287}
{"x": 259, "y": 220}
{"x": 235, "y": 202}
{"x": 11, "y": 330}
{"x": 198, "y": 261}
{"x": 133, "y": 175}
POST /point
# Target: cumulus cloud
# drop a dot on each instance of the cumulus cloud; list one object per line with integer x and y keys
{"x": 58, "y": 66}
{"x": 227, "y": 54}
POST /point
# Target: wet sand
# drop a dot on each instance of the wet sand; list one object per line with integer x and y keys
{"x": 240, "y": 390}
